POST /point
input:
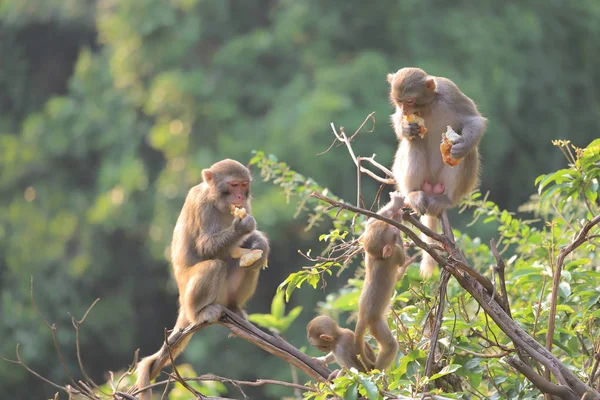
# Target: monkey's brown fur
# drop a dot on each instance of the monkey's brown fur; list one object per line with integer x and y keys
{"x": 325, "y": 334}
{"x": 418, "y": 163}
{"x": 384, "y": 256}
{"x": 203, "y": 238}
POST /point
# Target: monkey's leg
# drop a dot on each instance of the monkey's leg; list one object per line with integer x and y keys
{"x": 240, "y": 294}
{"x": 410, "y": 171}
{"x": 459, "y": 181}
{"x": 388, "y": 347}
{"x": 205, "y": 289}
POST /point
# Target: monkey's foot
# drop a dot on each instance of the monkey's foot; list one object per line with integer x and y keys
{"x": 209, "y": 314}
{"x": 334, "y": 374}
{"x": 437, "y": 204}
{"x": 417, "y": 200}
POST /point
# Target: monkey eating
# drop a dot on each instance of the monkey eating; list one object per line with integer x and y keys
{"x": 325, "y": 334}
{"x": 207, "y": 276}
{"x": 384, "y": 263}
{"x": 428, "y": 184}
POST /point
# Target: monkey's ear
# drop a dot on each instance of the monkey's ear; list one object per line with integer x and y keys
{"x": 207, "y": 175}
{"x": 390, "y": 78}
{"x": 327, "y": 338}
{"x": 361, "y": 238}
{"x": 430, "y": 84}
{"x": 387, "y": 251}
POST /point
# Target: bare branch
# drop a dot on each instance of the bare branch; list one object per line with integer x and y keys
{"x": 542, "y": 384}
{"x": 500, "y": 268}
{"x": 439, "y": 315}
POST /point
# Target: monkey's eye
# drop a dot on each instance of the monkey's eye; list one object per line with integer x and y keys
{"x": 409, "y": 101}
{"x": 234, "y": 185}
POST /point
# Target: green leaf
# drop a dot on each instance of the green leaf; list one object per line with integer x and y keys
{"x": 278, "y": 305}
{"x": 448, "y": 369}
{"x": 370, "y": 388}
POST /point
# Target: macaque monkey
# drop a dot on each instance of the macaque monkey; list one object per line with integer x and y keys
{"x": 204, "y": 237}
{"x": 384, "y": 262}
{"x": 325, "y": 334}
{"x": 428, "y": 185}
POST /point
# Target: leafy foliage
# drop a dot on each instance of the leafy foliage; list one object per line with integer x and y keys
{"x": 472, "y": 347}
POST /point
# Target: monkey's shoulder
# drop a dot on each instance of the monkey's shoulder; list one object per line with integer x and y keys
{"x": 450, "y": 96}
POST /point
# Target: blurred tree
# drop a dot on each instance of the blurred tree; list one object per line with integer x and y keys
{"x": 109, "y": 111}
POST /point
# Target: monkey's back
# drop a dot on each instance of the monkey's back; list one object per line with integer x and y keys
{"x": 380, "y": 281}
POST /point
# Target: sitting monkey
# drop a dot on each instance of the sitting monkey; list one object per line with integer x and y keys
{"x": 207, "y": 276}
{"x": 427, "y": 183}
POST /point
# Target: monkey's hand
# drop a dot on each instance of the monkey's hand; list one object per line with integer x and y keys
{"x": 334, "y": 374}
{"x": 260, "y": 263}
{"x": 244, "y": 225}
{"x": 461, "y": 146}
{"x": 321, "y": 360}
{"x": 411, "y": 130}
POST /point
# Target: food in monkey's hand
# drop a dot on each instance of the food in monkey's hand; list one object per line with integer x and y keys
{"x": 247, "y": 256}
{"x": 238, "y": 212}
{"x": 448, "y": 139}
{"x": 415, "y": 119}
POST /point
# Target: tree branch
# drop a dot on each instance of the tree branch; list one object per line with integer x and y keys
{"x": 542, "y": 384}
{"x": 245, "y": 330}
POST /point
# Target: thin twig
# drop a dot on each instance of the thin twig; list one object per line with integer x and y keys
{"x": 445, "y": 277}
{"x": 500, "y": 268}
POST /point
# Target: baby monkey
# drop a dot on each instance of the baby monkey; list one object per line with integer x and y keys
{"x": 384, "y": 265}
{"x": 326, "y": 335}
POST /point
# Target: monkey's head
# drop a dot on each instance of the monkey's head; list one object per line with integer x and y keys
{"x": 380, "y": 238}
{"x": 411, "y": 90}
{"x": 229, "y": 183}
{"x": 322, "y": 332}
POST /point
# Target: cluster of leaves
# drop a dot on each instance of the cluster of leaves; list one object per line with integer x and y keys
{"x": 471, "y": 347}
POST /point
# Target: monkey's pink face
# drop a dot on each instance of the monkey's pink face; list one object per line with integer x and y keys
{"x": 408, "y": 106}
{"x": 238, "y": 192}
{"x": 233, "y": 192}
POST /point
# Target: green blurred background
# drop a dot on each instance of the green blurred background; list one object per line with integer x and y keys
{"x": 110, "y": 109}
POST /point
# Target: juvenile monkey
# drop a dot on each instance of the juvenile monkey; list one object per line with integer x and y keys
{"x": 325, "y": 334}
{"x": 384, "y": 262}
{"x": 428, "y": 185}
{"x": 204, "y": 236}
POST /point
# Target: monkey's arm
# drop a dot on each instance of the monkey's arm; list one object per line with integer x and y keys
{"x": 328, "y": 359}
{"x": 211, "y": 245}
{"x": 258, "y": 241}
{"x": 472, "y": 131}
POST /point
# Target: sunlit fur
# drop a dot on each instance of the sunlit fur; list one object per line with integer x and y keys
{"x": 325, "y": 334}
{"x": 207, "y": 276}
{"x": 440, "y": 103}
{"x": 384, "y": 257}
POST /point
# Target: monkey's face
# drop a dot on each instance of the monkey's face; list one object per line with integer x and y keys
{"x": 411, "y": 90}
{"x": 323, "y": 345}
{"x": 233, "y": 192}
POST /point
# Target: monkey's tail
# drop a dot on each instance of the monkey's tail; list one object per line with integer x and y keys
{"x": 149, "y": 367}
{"x": 359, "y": 344}
{"x": 428, "y": 264}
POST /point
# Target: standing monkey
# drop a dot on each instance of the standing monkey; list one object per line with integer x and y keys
{"x": 384, "y": 256}
{"x": 206, "y": 274}
{"x": 326, "y": 335}
{"x": 429, "y": 185}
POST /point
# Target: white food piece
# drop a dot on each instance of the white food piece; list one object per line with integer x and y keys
{"x": 451, "y": 136}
